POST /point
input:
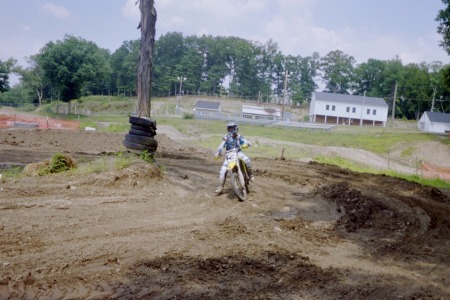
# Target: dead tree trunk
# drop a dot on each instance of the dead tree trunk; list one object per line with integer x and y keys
{"x": 144, "y": 83}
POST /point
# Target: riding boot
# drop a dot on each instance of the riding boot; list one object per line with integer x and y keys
{"x": 219, "y": 189}
{"x": 250, "y": 173}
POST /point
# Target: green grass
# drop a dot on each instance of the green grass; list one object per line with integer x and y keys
{"x": 377, "y": 140}
{"x": 208, "y": 133}
{"x": 408, "y": 152}
{"x": 343, "y": 163}
{"x": 14, "y": 172}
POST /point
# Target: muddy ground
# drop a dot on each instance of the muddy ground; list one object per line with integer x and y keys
{"x": 308, "y": 231}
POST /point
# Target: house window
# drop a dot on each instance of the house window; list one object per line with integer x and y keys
{"x": 374, "y": 112}
{"x": 333, "y": 108}
{"x": 327, "y": 107}
{"x": 368, "y": 111}
{"x": 348, "y": 108}
{"x": 353, "y": 109}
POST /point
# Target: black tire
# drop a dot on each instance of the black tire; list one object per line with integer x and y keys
{"x": 141, "y": 133}
{"x": 240, "y": 191}
{"x": 143, "y": 140}
{"x": 142, "y": 122}
{"x": 143, "y": 128}
{"x": 139, "y": 146}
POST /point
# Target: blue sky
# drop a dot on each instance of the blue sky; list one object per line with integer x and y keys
{"x": 380, "y": 29}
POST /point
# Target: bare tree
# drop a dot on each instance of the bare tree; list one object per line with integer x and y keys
{"x": 144, "y": 83}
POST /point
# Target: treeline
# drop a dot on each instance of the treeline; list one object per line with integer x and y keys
{"x": 223, "y": 67}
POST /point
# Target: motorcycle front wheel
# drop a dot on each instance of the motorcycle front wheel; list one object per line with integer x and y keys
{"x": 240, "y": 191}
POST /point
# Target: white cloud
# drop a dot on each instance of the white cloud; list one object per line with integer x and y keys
{"x": 131, "y": 10}
{"x": 297, "y": 26}
{"x": 60, "y": 12}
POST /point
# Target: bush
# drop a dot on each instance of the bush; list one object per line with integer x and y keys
{"x": 188, "y": 116}
{"x": 58, "y": 163}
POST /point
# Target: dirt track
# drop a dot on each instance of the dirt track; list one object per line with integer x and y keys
{"x": 308, "y": 231}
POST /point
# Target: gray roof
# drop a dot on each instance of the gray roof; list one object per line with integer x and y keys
{"x": 350, "y": 99}
{"x": 201, "y": 104}
{"x": 438, "y": 117}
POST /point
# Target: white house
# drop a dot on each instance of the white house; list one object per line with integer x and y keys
{"x": 435, "y": 122}
{"x": 329, "y": 108}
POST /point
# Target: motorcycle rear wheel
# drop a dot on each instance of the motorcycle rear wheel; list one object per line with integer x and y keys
{"x": 240, "y": 191}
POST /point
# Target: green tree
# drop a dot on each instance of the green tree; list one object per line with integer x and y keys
{"x": 443, "y": 29}
{"x": 443, "y": 95}
{"x": 269, "y": 54}
{"x": 392, "y": 76}
{"x": 33, "y": 79}
{"x": 124, "y": 65}
{"x": 5, "y": 70}
{"x": 15, "y": 96}
{"x": 415, "y": 92}
{"x": 168, "y": 53}
{"x": 72, "y": 63}
{"x": 337, "y": 68}
{"x": 190, "y": 66}
{"x": 303, "y": 72}
{"x": 369, "y": 77}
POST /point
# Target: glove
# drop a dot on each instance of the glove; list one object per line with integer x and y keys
{"x": 245, "y": 146}
{"x": 217, "y": 155}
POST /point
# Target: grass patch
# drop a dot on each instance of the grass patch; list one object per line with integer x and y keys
{"x": 436, "y": 182}
{"x": 13, "y": 172}
{"x": 408, "y": 152}
{"x": 122, "y": 161}
{"x": 377, "y": 140}
{"x": 58, "y": 163}
{"x": 343, "y": 163}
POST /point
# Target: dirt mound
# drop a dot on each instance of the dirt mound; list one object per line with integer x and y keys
{"x": 358, "y": 211}
{"x": 268, "y": 274}
{"x": 137, "y": 174}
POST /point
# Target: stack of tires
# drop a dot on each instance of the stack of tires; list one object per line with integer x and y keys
{"x": 141, "y": 135}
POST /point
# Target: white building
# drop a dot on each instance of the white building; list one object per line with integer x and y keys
{"x": 207, "y": 108}
{"x": 257, "y": 112}
{"x": 434, "y": 122}
{"x": 337, "y": 109}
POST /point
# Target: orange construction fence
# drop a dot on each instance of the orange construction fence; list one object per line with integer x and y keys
{"x": 25, "y": 121}
{"x": 431, "y": 171}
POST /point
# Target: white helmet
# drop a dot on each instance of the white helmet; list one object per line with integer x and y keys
{"x": 232, "y": 128}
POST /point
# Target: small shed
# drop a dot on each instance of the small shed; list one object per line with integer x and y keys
{"x": 435, "y": 122}
{"x": 207, "y": 108}
{"x": 256, "y": 112}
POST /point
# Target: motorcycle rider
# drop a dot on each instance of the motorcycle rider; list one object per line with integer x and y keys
{"x": 232, "y": 140}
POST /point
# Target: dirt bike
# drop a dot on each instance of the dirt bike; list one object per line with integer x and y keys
{"x": 238, "y": 174}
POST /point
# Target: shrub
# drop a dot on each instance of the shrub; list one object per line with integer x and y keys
{"x": 188, "y": 116}
{"x": 58, "y": 163}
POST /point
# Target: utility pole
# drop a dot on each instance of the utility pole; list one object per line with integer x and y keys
{"x": 362, "y": 110}
{"x": 181, "y": 79}
{"x": 285, "y": 94}
{"x": 434, "y": 97}
{"x": 393, "y": 104}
